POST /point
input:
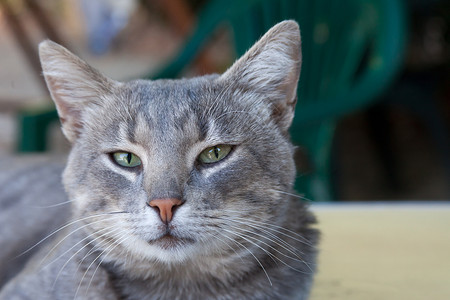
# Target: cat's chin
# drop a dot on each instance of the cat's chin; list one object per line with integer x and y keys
{"x": 170, "y": 242}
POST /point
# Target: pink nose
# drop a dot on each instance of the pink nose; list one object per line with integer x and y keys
{"x": 165, "y": 207}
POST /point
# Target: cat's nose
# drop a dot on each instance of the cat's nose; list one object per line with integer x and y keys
{"x": 165, "y": 207}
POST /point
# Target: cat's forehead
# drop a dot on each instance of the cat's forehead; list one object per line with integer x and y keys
{"x": 171, "y": 94}
{"x": 152, "y": 112}
{"x": 180, "y": 112}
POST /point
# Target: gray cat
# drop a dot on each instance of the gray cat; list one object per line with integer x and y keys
{"x": 179, "y": 189}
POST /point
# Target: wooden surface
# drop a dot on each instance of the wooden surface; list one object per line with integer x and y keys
{"x": 383, "y": 251}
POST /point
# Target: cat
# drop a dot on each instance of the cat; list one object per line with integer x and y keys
{"x": 178, "y": 189}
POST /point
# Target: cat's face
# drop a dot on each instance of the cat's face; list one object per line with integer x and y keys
{"x": 172, "y": 168}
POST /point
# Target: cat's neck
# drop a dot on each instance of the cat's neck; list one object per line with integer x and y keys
{"x": 201, "y": 279}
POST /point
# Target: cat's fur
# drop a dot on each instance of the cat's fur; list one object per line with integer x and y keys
{"x": 239, "y": 234}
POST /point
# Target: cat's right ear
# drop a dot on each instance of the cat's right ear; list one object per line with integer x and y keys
{"x": 271, "y": 67}
{"x": 73, "y": 85}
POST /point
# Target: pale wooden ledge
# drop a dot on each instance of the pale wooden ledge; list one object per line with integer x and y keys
{"x": 384, "y": 251}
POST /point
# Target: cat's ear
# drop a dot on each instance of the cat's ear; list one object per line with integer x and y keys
{"x": 272, "y": 68}
{"x": 73, "y": 85}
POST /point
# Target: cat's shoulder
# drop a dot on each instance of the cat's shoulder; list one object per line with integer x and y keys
{"x": 32, "y": 204}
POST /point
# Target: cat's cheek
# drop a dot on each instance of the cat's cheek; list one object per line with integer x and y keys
{"x": 80, "y": 202}
{"x": 224, "y": 188}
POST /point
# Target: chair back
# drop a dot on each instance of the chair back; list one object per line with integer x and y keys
{"x": 351, "y": 51}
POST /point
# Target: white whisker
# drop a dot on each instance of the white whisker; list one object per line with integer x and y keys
{"x": 69, "y": 234}
{"x": 291, "y": 194}
{"x": 272, "y": 256}
{"x": 251, "y": 253}
{"x": 79, "y": 250}
{"x": 61, "y": 228}
{"x": 116, "y": 242}
{"x": 277, "y": 229}
{"x": 264, "y": 230}
{"x": 229, "y": 246}
{"x": 299, "y": 259}
{"x": 52, "y": 205}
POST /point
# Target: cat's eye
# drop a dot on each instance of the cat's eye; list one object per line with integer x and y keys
{"x": 126, "y": 159}
{"x": 214, "y": 154}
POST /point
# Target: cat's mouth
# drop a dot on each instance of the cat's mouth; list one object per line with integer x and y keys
{"x": 169, "y": 242}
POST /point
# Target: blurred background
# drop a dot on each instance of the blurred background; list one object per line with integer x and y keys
{"x": 395, "y": 147}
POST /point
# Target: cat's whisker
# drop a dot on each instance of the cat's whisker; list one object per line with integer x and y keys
{"x": 279, "y": 229}
{"x": 79, "y": 250}
{"x": 94, "y": 249}
{"x": 98, "y": 246}
{"x": 113, "y": 245}
{"x": 264, "y": 230}
{"x": 251, "y": 233}
{"x": 117, "y": 243}
{"x": 311, "y": 271}
{"x": 297, "y": 257}
{"x": 251, "y": 253}
{"x": 245, "y": 237}
{"x": 61, "y": 228}
{"x": 271, "y": 255}
{"x": 293, "y": 195}
{"x": 117, "y": 212}
{"x": 276, "y": 228}
{"x": 72, "y": 232}
{"x": 53, "y": 205}
{"x": 228, "y": 245}
{"x": 259, "y": 262}
{"x": 284, "y": 244}
{"x": 124, "y": 235}
{"x": 232, "y": 248}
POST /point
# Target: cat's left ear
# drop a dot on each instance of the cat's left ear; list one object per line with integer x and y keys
{"x": 73, "y": 85}
{"x": 272, "y": 68}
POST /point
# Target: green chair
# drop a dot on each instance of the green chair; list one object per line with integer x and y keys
{"x": 352, "y": 49}
{"x": 351, "y": 52}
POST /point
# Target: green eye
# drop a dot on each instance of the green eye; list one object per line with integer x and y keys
{"x": 214, "y": 154}
{"x": 126, "y": 159}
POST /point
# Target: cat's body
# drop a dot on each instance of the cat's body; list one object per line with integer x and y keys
{"x": 180, "y": 189}
{"x": 29, "y": 190}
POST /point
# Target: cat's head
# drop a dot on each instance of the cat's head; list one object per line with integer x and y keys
{"x": 174, "y": 168}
